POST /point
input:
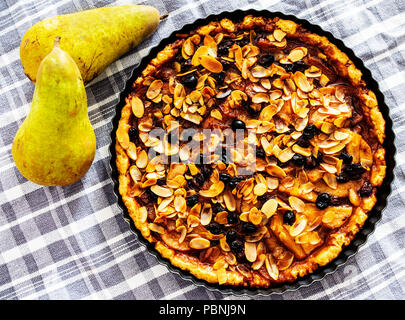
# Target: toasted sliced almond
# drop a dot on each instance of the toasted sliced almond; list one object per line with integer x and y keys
{"x": 271, "y": 267}
{"x": 250, "y": 251}
{"x": 269, "y": 207}
{"x": 201, "y": 51}
{"x": 142, "y": 159}
{"x": 211, "y": 64}
{"x": 199, "y": 243}
{"x": 260, "y": 189}
{"x": 260, "y": 72}
{"x": 279, "y": 35}
{"x": 138, "y": 108}
{"x": 135, "y": 174}
{"x": 214, "y": 190}
{"x": 156, "y": 228}
{"x": 154, "y": 89}
{"x": 302, "y": 82}
{"x": 161, "y": 191}
{"x": 296, "y": 204}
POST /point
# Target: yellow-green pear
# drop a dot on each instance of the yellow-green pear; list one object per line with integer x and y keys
{"x": 93, "y": 38}
{"x": 55, "y": 145}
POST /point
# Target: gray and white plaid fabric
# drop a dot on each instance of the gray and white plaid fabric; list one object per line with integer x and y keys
{"x": 72, "y": 243}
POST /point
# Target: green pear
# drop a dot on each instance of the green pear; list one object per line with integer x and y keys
{"x": 56, "y": 144}
{"x": 93, "y": 38}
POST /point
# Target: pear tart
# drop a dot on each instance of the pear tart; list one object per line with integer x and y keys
{"x": 315, "y": 130}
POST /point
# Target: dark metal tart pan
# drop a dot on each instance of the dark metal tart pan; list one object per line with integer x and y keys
{"x": 374, "y": 214}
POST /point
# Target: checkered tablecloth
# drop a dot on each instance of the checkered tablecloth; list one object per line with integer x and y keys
{"x": 72, "y": 242}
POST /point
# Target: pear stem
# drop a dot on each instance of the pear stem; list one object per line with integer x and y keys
{"x": 57, "y": 42}
{"x": 162, "y": 17}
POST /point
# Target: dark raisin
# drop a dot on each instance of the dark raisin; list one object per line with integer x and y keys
{"x": 224, "y": 177}
{"x": 319, "y": 158}
{"x": 237, "y": 246}
{"x": 161, "y": 181}
{"x": 219, "y": 77}
{"x": 323, "y": 201}
{"x": 342, "y": 178}
{"x": 266, "y": 60}
{"x": 309, "y": 132}
{"x": 152, "y": 196}
{"x": 224, "y": 47}
{"x": 335, "y": 201}
{"x": 218, "y": 208}
{"x": 282, "y": 164}
{"x": 310, "y": 163}
{"x": 232, "y": 218}
{"x": 288, "y": 67}
{"x": 248, "y": 227}
{"x": 226, "y": 64}
{"x": 303, "y": 143}
{"x": 190, "y": 81}
{"x": 353, "y": 171}
{"x": 366, "y": 189}
{"x": 260, "y": 153}
{"x": 238, "y": 125}
{"x": 206, "y": 171}
{"x": 192, "y": 201}
{"x": 298, "y": 159}
{"x": 347, "y": 158}
{"x": 199, "y": 179}
{"x": 299, "y": 66}
{"x": 133, "y": 134}
{"x": 289, "y": 217}
{"x": 263, "y": 198}
{"x": 231, "y": 236}
{"x": 234, "y": 182}
{"x": 243, "y": 42}
{"x": 214, "y": 228}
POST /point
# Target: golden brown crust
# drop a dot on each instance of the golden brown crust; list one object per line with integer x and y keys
{"x": 338, "y": 237}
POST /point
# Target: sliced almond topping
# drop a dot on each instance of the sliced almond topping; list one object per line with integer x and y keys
{"x": 214, "y": 190}
{"x": 298, "y": 228}
{"x": 206, "y": 215}
{"x": 161, "y": 191}
{"x": 131, "y": 151}
{"x": 330, "y": 180}
{"x": 296, "y": 204}
{"x": 199, "y": 243}
{"x": 142, "y": 214}
{"x": 260, "y": 72}
{"x": 269, "y": 207}
{"x": 271, "y": 267}
{"x": 286, "y": 155}
{"x": 302, "y": 82}
{"x": 201, "y": 51}
{"x": 221, "y": 275}
{"x": 250, "y": 251}
{"x": 260, "y": 189}
{"x": 260, "y": 98}
{"x": 138, "y": 108}
{"x": 135, "y": 174}
{"x": 154, "y": 89}
{"x": 180, "y": 204}
{"x": 259, "y": 262}
{"x": 156, "y": 228}
{"x": 276, "y": 171}
{"x": 255, "y": 216}
{"x": 279, "y": 35}
{"x": 142, "y": 159}
{"x": 297, "y": 54}
{"x": 187, "y": 49}
{"x": 211, "y": 64}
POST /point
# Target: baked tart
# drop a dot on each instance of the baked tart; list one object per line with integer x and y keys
{"x": 250, "y": 152}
